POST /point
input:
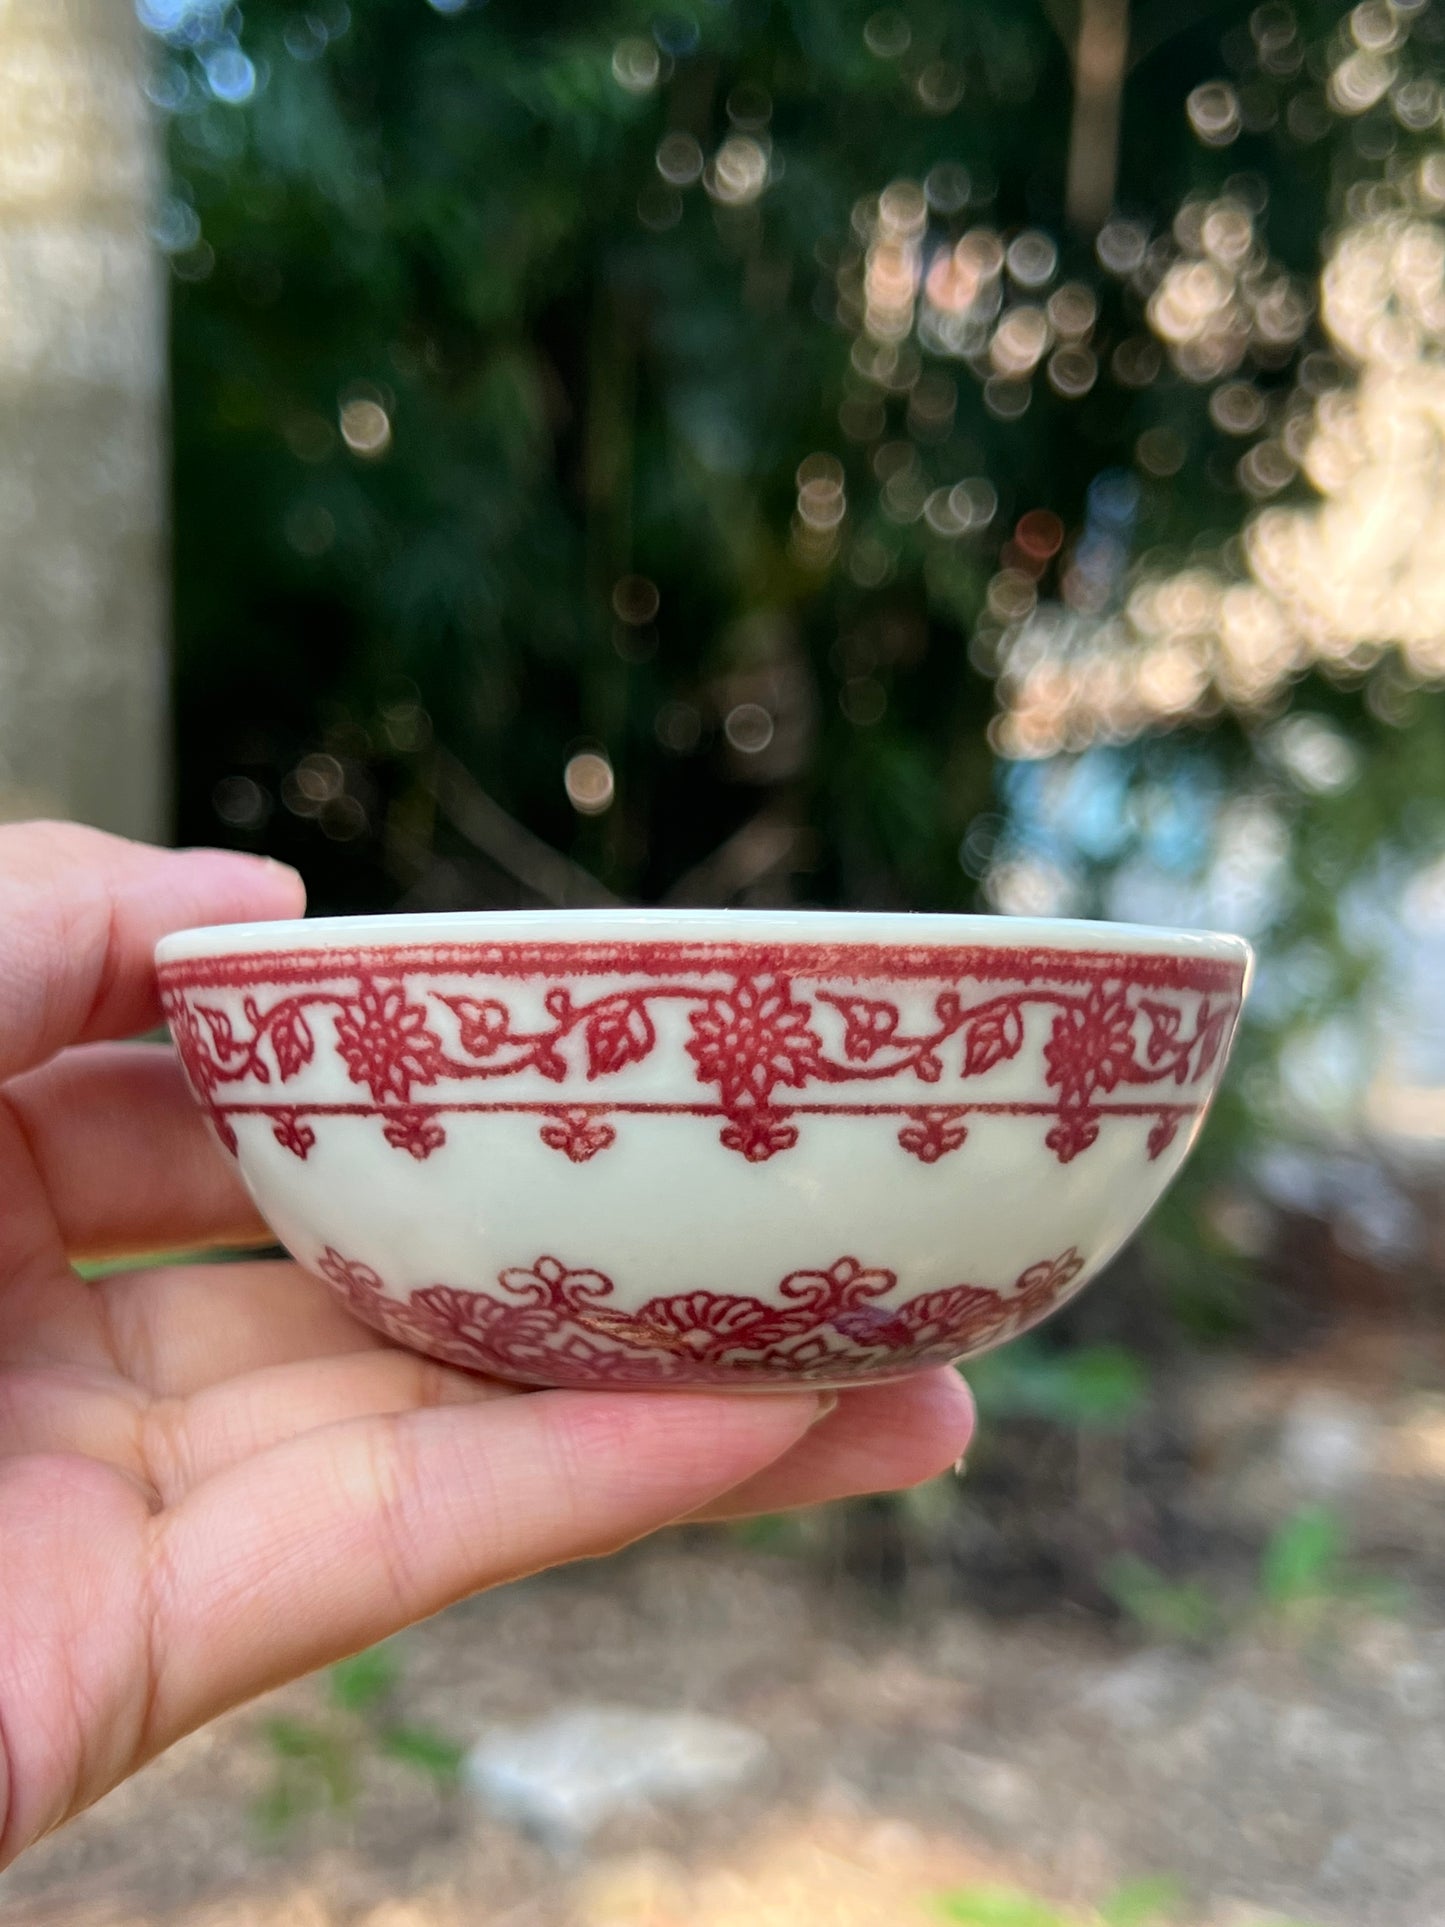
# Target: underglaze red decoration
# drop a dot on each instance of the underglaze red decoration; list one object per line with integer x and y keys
{"x": 771, "y": 1037}
{"x": 933, "y": 1132}
{"x": 290, "y": 1133}
{"x": 579, "y": 1134}
{"x": 549, "y": 1324}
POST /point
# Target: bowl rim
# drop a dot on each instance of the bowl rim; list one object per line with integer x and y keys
{"x": 831, "y": 928}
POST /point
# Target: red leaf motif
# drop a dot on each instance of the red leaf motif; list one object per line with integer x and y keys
{"x": 620, "y": 1033}
{"x": 292, "y": 1041}
{"x": 868, "y": 1025}
{"x": 992, "y": 1036}
{"x": 933, "y": 1134}
{"x": 414, "y": 1131}
{"x": 1164, "y": 1021}
{"x": 1163, "y": 1133}
{"x": 1213, "y": 1028}
{"x": 195, "y": 1058}
{"x": 1074, "y": 1132}
{"x": 759, "y": 1134}
{"x": 483, "y": 1024}
{"x": 291, "y": 1134}
{"x": 223, "y": 1038}
{"x": 579, "y": 1134}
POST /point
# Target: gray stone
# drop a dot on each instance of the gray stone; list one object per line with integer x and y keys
{"x": 563, "y": 1776}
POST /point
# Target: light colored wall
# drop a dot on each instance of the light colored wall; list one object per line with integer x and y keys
{"x": 83, "y": 481}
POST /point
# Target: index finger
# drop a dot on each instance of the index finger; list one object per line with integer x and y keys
{"x": 80, "y": 915}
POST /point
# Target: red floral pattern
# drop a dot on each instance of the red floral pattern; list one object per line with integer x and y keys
{"x": 415, "y": 1130}
{"x": 752, "y": 1039}
{"x": 1091, "y": 1046}
{"x": 385, "y": 1042}
{"x": 578, "y": 1134}
{"x": 759, "y": 1133}
{"x": 548, "y": 1324}
{"x": 291, "y": 1134}
{"x": 763, "y": 1055}
{"x": 933, "y": 1133}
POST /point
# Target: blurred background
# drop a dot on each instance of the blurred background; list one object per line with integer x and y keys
{"x": 773, "y": 452}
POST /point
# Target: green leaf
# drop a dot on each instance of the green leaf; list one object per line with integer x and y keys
{"x": 1140, "y": 1903}
{"x": 360, "y": 1682}
{"x": 1172, "y": 1609}
{"x": 312, "y": 1761}
{"x": 422, "y": 1747}
{"x": 996, "y": 1907}
{"x": 769, "y": 1532}
{"x": 283, "y": 1803}
{"x": 1301, "y": 1560}
{"x": 1094, "y": 1387}
{"x": 293, "y": 1740}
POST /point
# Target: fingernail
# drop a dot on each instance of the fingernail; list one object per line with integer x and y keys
{"x": 827, "y": 1405}
{"x": 960, "y": 1466}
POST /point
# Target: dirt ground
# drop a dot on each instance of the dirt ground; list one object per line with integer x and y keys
{"x": 918, "y": 1743}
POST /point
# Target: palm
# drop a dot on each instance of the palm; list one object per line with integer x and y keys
{"x": 211, "y": 1477}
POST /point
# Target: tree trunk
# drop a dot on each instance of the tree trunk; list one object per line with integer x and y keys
{"x": 83, "y": 606}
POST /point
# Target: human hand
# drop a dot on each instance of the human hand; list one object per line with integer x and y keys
{"x": 212, "y": 1478}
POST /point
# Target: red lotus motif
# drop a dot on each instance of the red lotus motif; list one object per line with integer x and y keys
{"x": 551, "y": 1324}
{"x": 385, "y": 1042}
{"x": 1091, "y": 1045}
{"x": 753, "y": 1038}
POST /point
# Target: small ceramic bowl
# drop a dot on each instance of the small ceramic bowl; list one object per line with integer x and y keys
{"x": 703, "y": 1147}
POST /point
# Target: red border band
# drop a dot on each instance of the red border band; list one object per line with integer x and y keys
{"x": 984, "y": 963}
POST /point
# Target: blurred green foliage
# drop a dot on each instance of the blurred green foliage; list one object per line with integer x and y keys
{"x": 1306, "y": 1585}
{"x": 318, "y": 1763}
{"x": 1306, "y": 1575}
{"x": 1086, "y": 1388}
{"x": 1180, "y": 1611}
{"x": 588, "y": 374}
{"x": 1150, "y": 1902}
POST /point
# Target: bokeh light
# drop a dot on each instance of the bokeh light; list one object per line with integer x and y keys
{"x": 1336, "y": 583}
{"x": 589, "y": 783}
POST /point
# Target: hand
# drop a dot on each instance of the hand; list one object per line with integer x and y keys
{"x": 212, "y": 1478}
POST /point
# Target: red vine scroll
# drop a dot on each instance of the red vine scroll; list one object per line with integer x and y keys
{"x": 768, "y": 1037}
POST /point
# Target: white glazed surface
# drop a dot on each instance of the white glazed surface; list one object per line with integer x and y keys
{"x": 644, "y": 1147}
